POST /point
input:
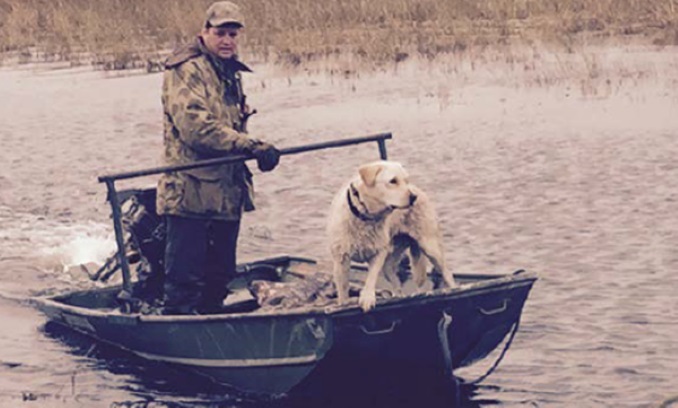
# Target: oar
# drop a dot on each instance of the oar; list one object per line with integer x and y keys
{"x": 126, "y": 294}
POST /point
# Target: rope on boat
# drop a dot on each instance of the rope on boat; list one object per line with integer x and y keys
{"x": 443, "y": 325}
{"x": 499, "y": 359}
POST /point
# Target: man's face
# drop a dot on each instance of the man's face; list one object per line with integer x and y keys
{"x": 221, "y": 41}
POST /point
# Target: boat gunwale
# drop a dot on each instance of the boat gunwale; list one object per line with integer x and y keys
{"x": 460, "y": 292}
{"x": 507, "y": 281}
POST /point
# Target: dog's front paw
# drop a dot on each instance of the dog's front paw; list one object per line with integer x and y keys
{"x": 367, "y": 300}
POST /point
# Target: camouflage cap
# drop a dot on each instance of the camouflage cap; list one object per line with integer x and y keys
{"x": 224, "y": 12}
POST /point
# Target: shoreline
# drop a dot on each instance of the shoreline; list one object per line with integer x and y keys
{"x": 152, "y": 61}
{"x": 595, "y": 70}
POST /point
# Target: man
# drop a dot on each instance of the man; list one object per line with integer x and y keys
{"x": 205, "y": 117}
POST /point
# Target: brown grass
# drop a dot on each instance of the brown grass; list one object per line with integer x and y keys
{"x": 124, "y": 33}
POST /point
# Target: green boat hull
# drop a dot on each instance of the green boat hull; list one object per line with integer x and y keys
{"x": 275, "y": 352}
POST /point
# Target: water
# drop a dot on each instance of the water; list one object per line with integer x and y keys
{"x": 533, "y": 164}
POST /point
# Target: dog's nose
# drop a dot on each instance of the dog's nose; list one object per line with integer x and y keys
{"x": 413, "y": 198}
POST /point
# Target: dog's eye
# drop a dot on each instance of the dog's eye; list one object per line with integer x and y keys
{"x": 394, "y": 181}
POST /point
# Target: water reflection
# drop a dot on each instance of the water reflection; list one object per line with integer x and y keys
{"x": 156, "y": 385}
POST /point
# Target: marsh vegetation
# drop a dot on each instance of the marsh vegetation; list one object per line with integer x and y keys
{"x": 129, "y": 33}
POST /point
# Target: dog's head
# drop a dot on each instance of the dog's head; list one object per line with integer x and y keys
{"x": 387, "y": 182}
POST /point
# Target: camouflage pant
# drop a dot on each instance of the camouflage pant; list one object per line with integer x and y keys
{"x": 199, "y": 263}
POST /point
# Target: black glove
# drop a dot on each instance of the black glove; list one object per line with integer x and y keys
{"x": 267, "y": 156}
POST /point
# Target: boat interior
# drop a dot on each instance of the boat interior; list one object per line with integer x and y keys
{"x": 282, "y": 282}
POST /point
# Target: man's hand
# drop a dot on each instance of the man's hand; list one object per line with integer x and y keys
{"x": 266, "y": 154}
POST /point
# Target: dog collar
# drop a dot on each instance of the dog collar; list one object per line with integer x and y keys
{"x": 366, "y": 216}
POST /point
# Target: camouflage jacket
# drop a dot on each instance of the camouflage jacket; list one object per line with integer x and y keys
{"x": 201, "y": 98}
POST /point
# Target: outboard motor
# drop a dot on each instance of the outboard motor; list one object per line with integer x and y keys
{"x": 146, "y": 243}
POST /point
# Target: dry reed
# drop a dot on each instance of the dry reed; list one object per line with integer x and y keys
{"x": 122, "y": 33}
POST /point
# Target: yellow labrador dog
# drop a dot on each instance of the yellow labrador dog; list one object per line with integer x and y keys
{"x": 375, "y": 219}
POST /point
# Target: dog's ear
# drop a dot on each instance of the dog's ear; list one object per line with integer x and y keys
{"x": 369, "y": 172}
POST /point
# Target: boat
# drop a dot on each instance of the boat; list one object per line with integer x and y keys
{"x": 269, "y": 350}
